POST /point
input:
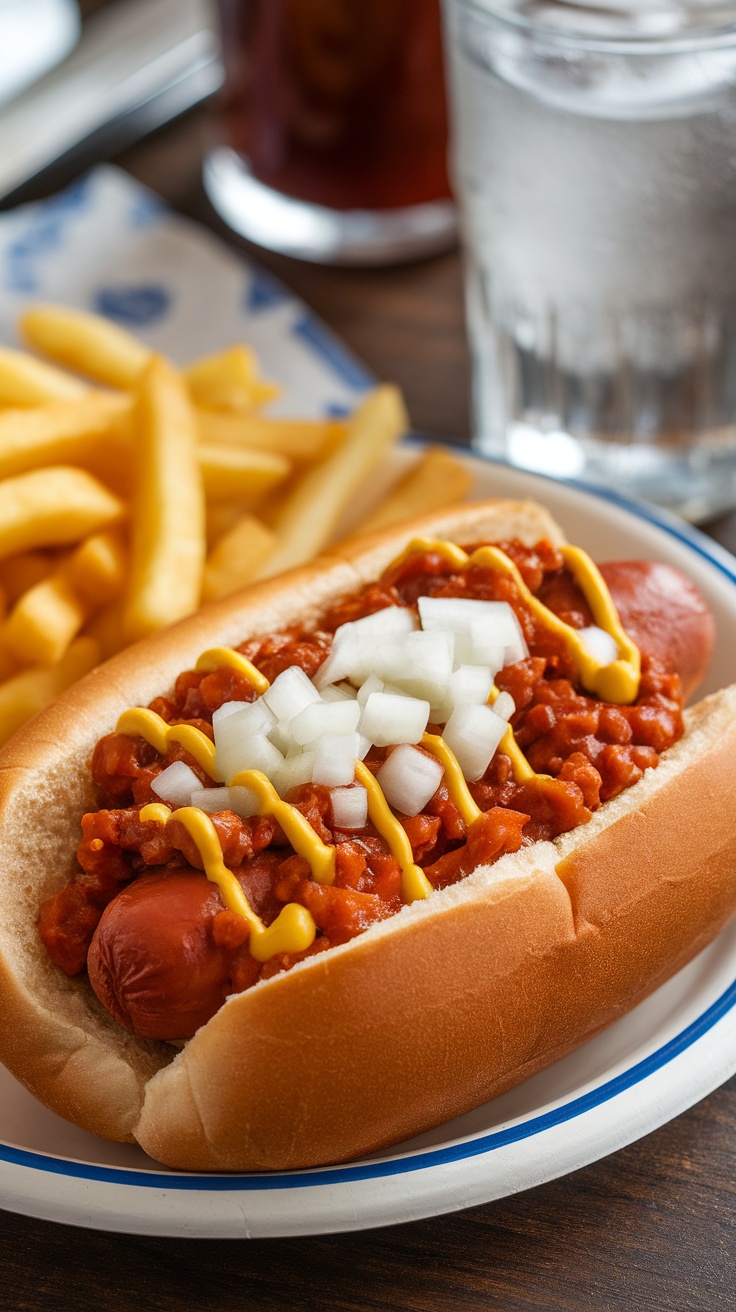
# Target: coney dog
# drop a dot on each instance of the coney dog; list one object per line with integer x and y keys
{"x": 510, "y": 957}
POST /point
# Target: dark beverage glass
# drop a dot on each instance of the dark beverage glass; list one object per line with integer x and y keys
{"x": 335, "y": 120}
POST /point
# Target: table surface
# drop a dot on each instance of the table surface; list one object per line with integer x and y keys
{"x": 652, "y": 1227}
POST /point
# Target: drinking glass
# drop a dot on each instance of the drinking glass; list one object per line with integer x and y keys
{"x": 595, "y": 165}
{"x": 335, "y": 120}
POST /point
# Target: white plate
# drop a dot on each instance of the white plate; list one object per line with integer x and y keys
{"x": 660, "y": 1059}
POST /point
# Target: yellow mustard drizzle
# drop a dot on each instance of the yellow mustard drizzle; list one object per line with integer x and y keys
{"x": 414, "y": 882}
{"x": 508, "y": 746}
{"x": 293, "y": 930}
{"x": 217, "y": 658}
{"x": 142, "y": 723}
{"x": 454, "y": 778}
{"x": 617, "y": 682}
{"x": 296, "y": 827}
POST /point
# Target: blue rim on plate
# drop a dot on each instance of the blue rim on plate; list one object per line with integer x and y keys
{"x": 473, "y": 1146}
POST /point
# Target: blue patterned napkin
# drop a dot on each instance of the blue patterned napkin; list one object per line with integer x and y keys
{"x": 108, "y": 244}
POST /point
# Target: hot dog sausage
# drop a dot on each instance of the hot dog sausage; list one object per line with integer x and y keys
{"x": 153, "y": 961}
{"x": 665, "y": 615}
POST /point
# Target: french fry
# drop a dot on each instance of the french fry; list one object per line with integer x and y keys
{"x": 106, "y": 627}
{"x": 25, "y": 381}
{"x": 29, "y": 691}
{"x": 229, "y": 381}
{"x": 63, "y": 433}
{"x": 46, "y": 619}
{"x": 234, "y": 560}
{"x": 52, "y": 507}
{"x": 86, "y": 343}
{"x": 96, "y": 570}
{"x": 437, "y": 480}
{"x": 44, "y": 622}
{"x": 21, "y": 572}
{"x": 309, "y": 515}
{"x": 299, "y": 439}
{"x": 168, "y": 518}
{"x": 231, "y": 473}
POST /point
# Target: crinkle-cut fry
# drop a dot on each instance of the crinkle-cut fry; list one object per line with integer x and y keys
{"x": 86, "y": 343}
{"x": 168, "y": 515}
{"x": 235, "y": 558}
{"x": 21, "y": 572}
{"x": 62, "y": 433}
{"x": 47, "y": 618}
{"x": 26, "y": 381}
{"x": 437, "y": 480}
{"x": 52, "y": 507}
{"x": 301, "y": 440}
{"x": 310, "y": 514}
{"x": 232, "y": 473}
{"x": 229, "y": 380}
{"x": 29, "y": 691}
{"x": 106, "y": 627}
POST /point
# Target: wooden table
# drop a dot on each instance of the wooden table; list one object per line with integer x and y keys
{"x": 651, "y": 1228}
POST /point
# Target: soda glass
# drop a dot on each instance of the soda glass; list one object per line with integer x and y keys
{"x": 335, "y": 126}
{"x": 595, "y": 165}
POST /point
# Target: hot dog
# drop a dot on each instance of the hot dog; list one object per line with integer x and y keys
{"x": 535, "y": 904}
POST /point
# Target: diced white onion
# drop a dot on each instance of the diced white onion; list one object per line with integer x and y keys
{"x": 349, "y": 807}
{"x": 504, "y": 705}
{"x": 348, "y": 658}
{"x": 296, "y": 770}
{"x": 175, "y": 784}
{"x": 338, "y": 692}
{"x": 282, "y": 738}
{"x": 473, "y": 733}
{"x": 334, "y": 759}
{"x": 250, "y": 718}
{"x": 480, "y": 628}
{"x": 408, "y": 779}
{"x": 371, "y": 684}
{"x": 253, "y": 720}
{"x": 227, "y": 708}
{"x": 254, "y": 752}
{"x": 289, "y": 693}
{"x": 324, "y": 718}
{"x": 600, "y": 644}
{"x": 242, "y": 801}
{"x": 389, "y": 718}
{"x": 470, "y": 685}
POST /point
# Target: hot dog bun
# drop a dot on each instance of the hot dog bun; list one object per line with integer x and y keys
{"x": 449, "y": 1003}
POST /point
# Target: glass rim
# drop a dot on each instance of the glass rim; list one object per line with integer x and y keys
{"x": 533, "y": 18}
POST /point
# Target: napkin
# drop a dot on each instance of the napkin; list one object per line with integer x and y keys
{"x": 110, "y": 245}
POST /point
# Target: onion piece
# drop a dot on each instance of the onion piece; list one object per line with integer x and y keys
{"x": 241, "y": 801}
{"x": 349, "y": 807}
{"x": 409, "y": 778}
{"x": 473, "y": 734}
{"x": 297, "y": 769}
{"x": 324, "y": 718}
{"x": 504, "y": 705}
{"x": 600, "y": 644}
{"x": 389, "y": 718}
{"x": 227, "y": 708}
{"x": 175, "y": 784}
{"x": 480, "y": 628}
{"x": 289, "y": 693}
{"x": 254, "y": 752}
{"x": 349, "y": 658}
{"x": 334, "y": 759}
{"x": 338, "y": 692}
